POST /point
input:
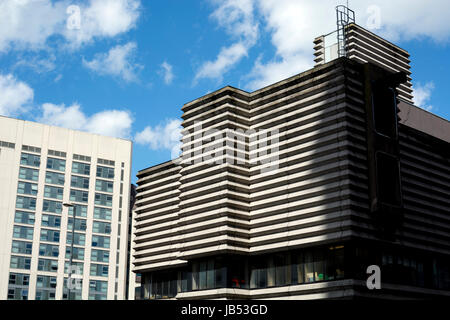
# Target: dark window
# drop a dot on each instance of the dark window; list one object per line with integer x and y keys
{"x": 385, "y": 110}
{"x": 388, "y": 179}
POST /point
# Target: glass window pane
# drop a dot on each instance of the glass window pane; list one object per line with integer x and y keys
{"x": 56, "y": 164}
{"x": 30, "y": 160}
{"x": 81, "y": 168}
{"x": 54, "y": 178}
{"x": 28, "y": 174}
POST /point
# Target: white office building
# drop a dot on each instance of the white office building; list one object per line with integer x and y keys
{"x": 41, "y": 168}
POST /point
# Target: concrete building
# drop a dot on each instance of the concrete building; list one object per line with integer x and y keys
{"x": 41, "y": 168}
{"x": 294, "y": 190}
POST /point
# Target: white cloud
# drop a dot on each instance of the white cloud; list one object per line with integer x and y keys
{"x": 422, "y": 95}
{"x": 165, "y": 136}
{"x": 274, "y": 71}
{"x": 236, "y": 17}
{"x": 36, "y": 63}
{"x": 225, "y": 60}
{"x": 16, "y": 98}
{"x": 29, "y": 24}
{"x": 104, "y": 18}
{"x": 117, "y": 62}
{"x": 167, "y": 72}
{"x": 293, "y": 25}
{"x": 15, "y": 95}
{"x": 112, "y": 123}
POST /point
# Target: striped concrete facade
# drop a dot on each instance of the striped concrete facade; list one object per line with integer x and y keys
{"x": 365, "y": 46}
{"x": 285, "y": 168}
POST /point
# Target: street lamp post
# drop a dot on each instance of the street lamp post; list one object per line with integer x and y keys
{"x": 69, "y": 279}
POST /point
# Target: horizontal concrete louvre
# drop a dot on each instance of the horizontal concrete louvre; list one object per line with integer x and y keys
{"x": 316, "y": 194}
{"x": 377, "y": 55}
{"x": 382, "y": 52}
{"x": 320, "y": 239}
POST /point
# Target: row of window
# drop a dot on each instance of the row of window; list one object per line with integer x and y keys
{"x": 29, "y": 203}
{"x": 21, "y": 232}
{"x": 9, "y": 145}
{"x": 324, "y": 264}
{"x": 46, "y": 288}
{"x": 32, "y": 160}
{"x": 48, "y": 265}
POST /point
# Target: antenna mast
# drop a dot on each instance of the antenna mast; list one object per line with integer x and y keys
{"x": 345, "y": 16}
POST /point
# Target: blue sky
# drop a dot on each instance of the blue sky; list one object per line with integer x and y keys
{"x": 126, "y": 67}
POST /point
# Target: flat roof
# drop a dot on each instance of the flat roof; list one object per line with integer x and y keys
{"x": 424, "y": 121}
{"x": 53, "y": 126}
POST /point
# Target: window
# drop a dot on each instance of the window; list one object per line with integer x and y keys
{"x": 80, "y": 224}
{"x": 99, "y": 270}
{"x": 79, "y": 182}
{"x": 55, "y": 153}
{"x": 22, "y": 247}
{"x": 52, "y": 206}
{"x": 23, "y": 232}
{"x": 31, "y": 149}
{"x": 385, "y": 110}
{"x": 98, "y": 286}
{"x": 19, "y": 279}
{"x": 30, "y": 160}
{"x": 81, "y": 211}
{"x": 81, "y": 168}
{"x": 47, "y": 265}
{"x": 319, "y": 266}
{"x": 101, "y": 227}
{"x": 98, "y": 290}
{"x": 81, "y": 158}
{"x": 45, "y": 295}
{"x": 51, "y": 221}
{"x": 106, "y": 162}
{"x": 163, "y": 286}
{"x": 48, "y": 250}
{"x": 9, "y": 145}
{"x": 49, "y": 235}
{"x": 104, "y": 172}
{"x": 75, "y": 293}
{"x": 20, "y": 263}
{"x": 388, "y": 179}
{"x": 79, "y": 239}
{"x": 54, "y": 178}
{"x": 102, "y": 213}
{"x": 56, "y": 164}
{"x": 298, "y": 268}
{"x": 101, "y": 242}
{"x": 27, "y": 188}
{"x": 17, "y": 293}
{"x": 24, "y": 217}
{"x": 100, "y": 256}
{"x": 309, "y": 267}
{"x": 78, "y": 196}
{"x": 28, "y": 174}
{"x": 26, "y": 203}
{"x": 105, "y": 186}
{"x": 103, "y": 199}
{"x": 53, "y": 192}
{"x": 77, "y": 267}
{"x": 78, "y": 253}
{"x": 46, "y": 287}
